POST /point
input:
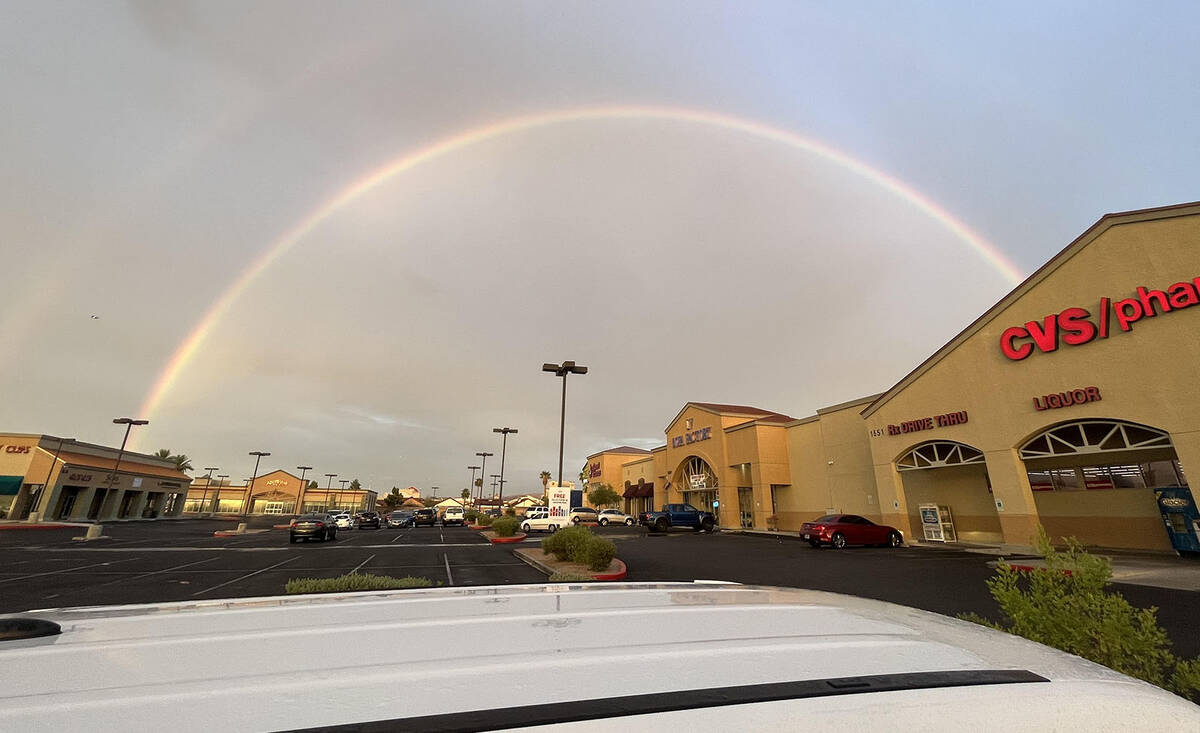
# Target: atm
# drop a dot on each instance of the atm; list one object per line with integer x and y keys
{"x": 1181, "y": 517}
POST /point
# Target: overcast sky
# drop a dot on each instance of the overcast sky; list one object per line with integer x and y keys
{"x": 153, "y": 150}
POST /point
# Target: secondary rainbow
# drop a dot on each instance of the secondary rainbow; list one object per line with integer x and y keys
{"x": 188, "y": 348}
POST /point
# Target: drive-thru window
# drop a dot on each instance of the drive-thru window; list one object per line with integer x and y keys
{"x": 952, "y": 478}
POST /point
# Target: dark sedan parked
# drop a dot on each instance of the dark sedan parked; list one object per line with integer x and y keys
{"x": 400, "y": 519}
{"x": 840, "y": 530}
{"x": 312, "y": 527}
{"x": 424, "y": 516}
{"x": 371, "y": 519}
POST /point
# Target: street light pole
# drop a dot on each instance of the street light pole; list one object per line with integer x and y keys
{"x": 207, "y": 483}
{"x": 258, "y": 455}
{"x": 503, "y": 449}
{"x": 217, "y": 493}
{"x": 300, "y": 496}
{"x": 473, "y": 470}
{"x": 128, "y": 422}
{"x": 562, "y": 370}
{"x": 495, "y": 476}
{"x": 33, "y": 504}
{"x": 483, "y": 469}
{"x": 329, "y": 488}
{"x": 341, "y": 498}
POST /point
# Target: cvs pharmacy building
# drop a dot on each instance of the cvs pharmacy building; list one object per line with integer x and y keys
{"x": 1073, "y": 403}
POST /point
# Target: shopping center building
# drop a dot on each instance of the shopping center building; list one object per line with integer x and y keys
{"x": 64, "y": 479}
{"x": 1072, "y": 404}
{"x": 277, "y": 492}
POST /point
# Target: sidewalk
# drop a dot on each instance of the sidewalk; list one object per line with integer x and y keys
{"x": 1175, "y": 573}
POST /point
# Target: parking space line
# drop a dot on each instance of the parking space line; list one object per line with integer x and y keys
{"x": 364, "y": 562}
{"x": 247, "y": 575}
{"x": 68, "y": 570}
{"x": 449, "y": 577}
{"x": 442, "y": 536}
{"x": 156, "y": 572}
{"x": 402, "y": 534}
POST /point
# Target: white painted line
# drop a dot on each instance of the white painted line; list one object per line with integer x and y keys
{"x": 402, "y": 534}
{"x": 364, "y": 562}
{"x": 68, "y": 570}
{"x": 442, "y": 536}
{"x": 243, "y": 577}
{"x": 449, "y": 577}
{"x": 156, "y": 572}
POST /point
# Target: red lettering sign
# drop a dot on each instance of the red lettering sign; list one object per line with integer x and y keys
{"x": 928, "y": 423}
{"x": 17, "y": 448}
{"x": 1066, "y": 399}
{"x": 1074, "y": 326}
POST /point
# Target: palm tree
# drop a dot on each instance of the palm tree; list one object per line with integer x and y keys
{"x": 181, "y": 461}
{"x": 545, "y": 478}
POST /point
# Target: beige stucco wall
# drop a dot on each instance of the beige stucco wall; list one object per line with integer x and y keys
{"x": 1147, "y": 375}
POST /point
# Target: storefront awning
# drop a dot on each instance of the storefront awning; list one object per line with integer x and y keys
{"x": 10, "y": 485}
{"x": 630, "y": 492}
{"x": 645, "y": 491}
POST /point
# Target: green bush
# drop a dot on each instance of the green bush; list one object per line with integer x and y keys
{"x": 598, "y": 553}
{"x": 486, "y": 520}
{"x": 552, "y": 545}
{"x": 574, "y": 540}
{"x": 505, "y": 526}
{"x": 568, "y": 577}
{"x": 1065, "y": 605}
{"x": 471, "y": 517}
{"x": 353, "y": 581}
{"x": 510, "y": 512}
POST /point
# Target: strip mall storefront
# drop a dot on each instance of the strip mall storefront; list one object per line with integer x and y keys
{"x": 1071, "y": 404}
{"x": 277, "y": 492}
{"x": 60, "y": 479}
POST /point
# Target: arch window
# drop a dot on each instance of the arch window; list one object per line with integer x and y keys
{"x": 938, "y": 454}
{"x": 1093, "y": 436}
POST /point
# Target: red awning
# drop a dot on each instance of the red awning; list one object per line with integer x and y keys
{"x": 645, "y": 491}
{"x": 630, "y": 492}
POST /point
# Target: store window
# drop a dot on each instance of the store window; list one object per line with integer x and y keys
{"x": 1154, "y": 474}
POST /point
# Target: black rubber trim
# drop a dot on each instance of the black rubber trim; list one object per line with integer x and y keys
{"x": 663, "y": 702}
{"x": 14, "y": 629}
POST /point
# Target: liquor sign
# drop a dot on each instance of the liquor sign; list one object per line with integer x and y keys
{"x": 1077, "y": 326}
{"x": 594, "y": 470}
{"x": 1066, "y": 399}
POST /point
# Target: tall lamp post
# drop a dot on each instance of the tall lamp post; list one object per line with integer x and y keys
{"x": 128, "y": 422}
{"x": 341, "y": 497}
{"x": 473, "y": 470}
{"x": 482, "y": 469}
{"x": 300, "y": 496}
{"x": 42, "y": 492}
{"x": 217, "y": 493}
{"x": 258, "y": 456}
{"x": 495, "y": 477}
{"x": 207, "y": 483}
{"x": 329, "y": 488}
{"x": 503, "y": 449}
{"x": 562, "y": 370}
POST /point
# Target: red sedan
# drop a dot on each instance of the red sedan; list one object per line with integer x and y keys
{"x": 840, "y": 530}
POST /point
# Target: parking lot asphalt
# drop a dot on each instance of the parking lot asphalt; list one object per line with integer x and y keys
{"x": 145, "y": 562}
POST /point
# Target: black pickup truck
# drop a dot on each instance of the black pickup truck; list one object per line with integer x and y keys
{"x": 682, "y": 516}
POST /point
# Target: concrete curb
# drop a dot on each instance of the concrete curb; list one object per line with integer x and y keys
{"x": 618, "y": 567}
{"x": 4, "y": 527}
{"x": 496, "y": 540}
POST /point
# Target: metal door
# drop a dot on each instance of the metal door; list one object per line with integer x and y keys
{"x": 746, "y": 506}
{"x": 1181, "y": 517}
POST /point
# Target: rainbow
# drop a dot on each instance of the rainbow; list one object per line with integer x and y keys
{"x": 188, "y": 348}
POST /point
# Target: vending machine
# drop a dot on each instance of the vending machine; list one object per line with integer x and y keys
{"x": 1181, "y": 518}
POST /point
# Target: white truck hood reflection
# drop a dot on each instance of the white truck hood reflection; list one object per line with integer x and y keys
{"x": 301, "y": 661}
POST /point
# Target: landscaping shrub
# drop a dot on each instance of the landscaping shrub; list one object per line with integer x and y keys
{"x": 598, "y": 553}
{"x": 353, "y": 581}
{"x": 510, "y": 512}
{"x": 505, "y": 526}
{"x": 471, "y": 517}
{"x": 486, "y": 520}
{"x": 552, "y": 545}
{"x": 1065, "y": 605}
{"x": 568, "y": 577}
{"x": 575, "y": 539}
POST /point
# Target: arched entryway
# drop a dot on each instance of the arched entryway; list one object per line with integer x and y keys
{"x": 953, "y": 477}
{"x": 1100, "y": 480}
{"x": 698, "y": 482}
